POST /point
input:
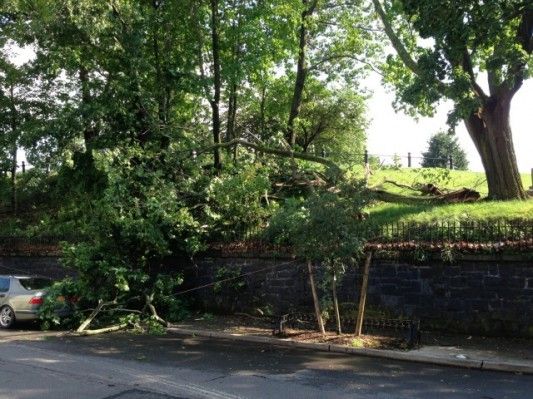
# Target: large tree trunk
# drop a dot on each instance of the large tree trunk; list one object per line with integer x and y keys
{"x": 215, "y": 102}
{"x": 14, "y": 200}
{"x": 301, "y": 72}
{"x": 232, "y": 116}
{"x": 89, "y": 133}
{"x": 262, "y": 107}
{"x": 14, "y": 146}
{"x": 491, "y": 132}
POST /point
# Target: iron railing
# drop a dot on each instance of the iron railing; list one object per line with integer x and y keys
{"x": 435, "y": 232}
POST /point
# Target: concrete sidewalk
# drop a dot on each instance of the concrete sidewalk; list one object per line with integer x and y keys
{"x": 437, "y": 355}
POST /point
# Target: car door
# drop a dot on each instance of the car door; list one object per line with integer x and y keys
{"x": 24, "y": 289}
{"x": 4, "y": 290}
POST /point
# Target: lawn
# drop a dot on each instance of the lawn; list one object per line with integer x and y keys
{"x": 483, "y": 210}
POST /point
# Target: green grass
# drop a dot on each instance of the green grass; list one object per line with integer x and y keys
{"x": 451, "y": 180}
{"x": 483, "y": 210}
{"x": 444, "y": 178}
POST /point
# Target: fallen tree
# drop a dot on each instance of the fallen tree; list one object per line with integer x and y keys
{"x": 462, "y": 195}
{"x": 149, "y": 311}
{"x": 436, "y": 195}
{"x": 426, "y": 189}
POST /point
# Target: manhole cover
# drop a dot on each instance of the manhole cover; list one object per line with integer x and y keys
{"x": 138, "y": 394}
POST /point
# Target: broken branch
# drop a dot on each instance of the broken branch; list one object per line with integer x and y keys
{"x": 275, "y": 151}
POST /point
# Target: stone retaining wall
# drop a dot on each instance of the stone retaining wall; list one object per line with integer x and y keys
{"x": 476, "y": 294}
{"x": 483, "y": 295}
{"x": 47, "y": 266}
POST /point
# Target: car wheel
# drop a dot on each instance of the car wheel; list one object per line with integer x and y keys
{"x": 7, "y": 317}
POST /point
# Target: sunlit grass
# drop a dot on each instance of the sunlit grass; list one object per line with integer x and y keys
{"x": 483, "y": 210}
{"x": 450, "y": 180}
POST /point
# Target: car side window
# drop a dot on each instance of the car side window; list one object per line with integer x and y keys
{"x": 4, "y": 284}
{"x": 35, "y": 283}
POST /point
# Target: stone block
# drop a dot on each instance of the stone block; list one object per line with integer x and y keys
{"x": 458, "y": 282}
{"x": 408, "y": 275}
{"x": 492, "y": 281}
{"x": 412, "y": 299}
{"x": 387, "y": 271}
{"x": 391, "y": 301}
{"x": 427, "y": 272}
{"x": 390, "y": 289}
{"x": 411, "y": 286}
{"x": 456, "y": 304}
{"x": 477, "y": 305}
{"x": 451, "y": 271}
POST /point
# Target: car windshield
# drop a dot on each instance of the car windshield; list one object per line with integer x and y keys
{"x": 35, "y": 283}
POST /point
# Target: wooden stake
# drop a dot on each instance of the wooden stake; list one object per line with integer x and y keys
{"x": 336, "y": 302}
{"x": 362, "y": 297}
{"x": 315, "y": 299}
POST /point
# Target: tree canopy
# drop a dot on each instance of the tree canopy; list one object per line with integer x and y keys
{"x": 444, "y": 149}
{"x": 161, "y": 118}
{"x": 444, "y": 50}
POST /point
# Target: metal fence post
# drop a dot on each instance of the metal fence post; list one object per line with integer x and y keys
{"x": 451, "y": 162}
{"x": 23, "y": 167}
{"x": 408, "y": 159}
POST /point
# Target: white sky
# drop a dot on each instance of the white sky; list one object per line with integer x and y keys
{"x": 396, "y": 133}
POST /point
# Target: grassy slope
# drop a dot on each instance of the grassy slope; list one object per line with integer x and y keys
{"x": 32, "y": 221}
{"x": 483, "y": 210}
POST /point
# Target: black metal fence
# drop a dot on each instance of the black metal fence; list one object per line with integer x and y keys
{"x": 464, "y": 231}
{"x": 498, "y": 231}
{"x": 451, "y": 231}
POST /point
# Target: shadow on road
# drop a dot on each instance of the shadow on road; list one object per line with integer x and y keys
{"x": 280, "y": 365}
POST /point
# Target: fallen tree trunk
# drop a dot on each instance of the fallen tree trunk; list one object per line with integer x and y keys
{"x": 462, "y": 195}
{"x": 426, "y": 189}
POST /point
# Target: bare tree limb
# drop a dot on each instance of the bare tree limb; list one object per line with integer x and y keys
{"x": 117, "y": 327}
{"x": 94, "y": 313}
{"x": 151, "y": 307}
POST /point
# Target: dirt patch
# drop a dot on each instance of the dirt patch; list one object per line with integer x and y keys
{"x": 243, "y": 324}
{"x": 363, "y": 341}
{"x": 250, "y": 325}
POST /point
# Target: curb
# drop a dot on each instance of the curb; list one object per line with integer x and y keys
{"x": 490, "y": 365}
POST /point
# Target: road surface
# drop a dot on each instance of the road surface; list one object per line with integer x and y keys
{"x": 127, "y": 366}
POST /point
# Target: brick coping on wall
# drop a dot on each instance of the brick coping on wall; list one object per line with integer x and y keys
{"x": 381, "y": 255}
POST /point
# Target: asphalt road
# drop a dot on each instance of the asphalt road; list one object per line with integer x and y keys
{"x": 125, "y": 366}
